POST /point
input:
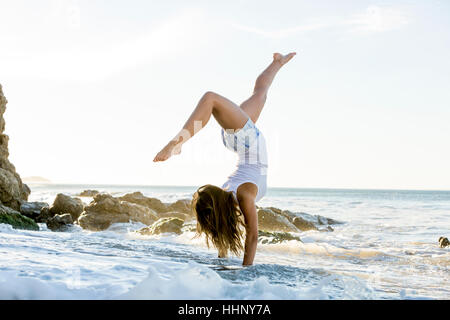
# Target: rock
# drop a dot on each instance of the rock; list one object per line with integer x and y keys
{"x": 443, "y": 242}
{"x": 265, "y": 237}
{"x": 270, "y": 220}
{"x": 183, "y": 206}
{"x": 32, "y": 209}
{"x": 303, "y": 225}
{"x": 12, "y": 190}
{"x": 88, "y": 193}
{"x": 163, "y": 225}
{"x": 66, "y": 204}
{"x": 44, "y": 215}
{"x": 105, "y": 210}
{"x": 16, "y": 220}
{"x": 323, "y": 220}
{"x": 59, "y": 222}
{"x": 138, "y": 198}
{"x": 274, "y": 219}
{"x": 175, "y": 214}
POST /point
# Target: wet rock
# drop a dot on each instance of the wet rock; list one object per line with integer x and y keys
{"x": 105, "y": 210}
{"x": 12, "y": 190}
{"x": 303, "y": 225}
{"x": 270, "y": 219}
{"x": 443, "y": 242}
{"x": 66, "y": 204}
{"x": 16, "y": 220}
{"x": 265, "y": 237}
{"x": 88, "y": 193}
{"x": 326, "y": 221}
{"x": 44, "y": 215}
{"x": 183, "y": 206}
{"x": 163, "y": 225}
{"x": 275, "y": 219}
{"x": 175, "y": 214}
{"x": 32, "y": 209}
{"x": 138, "y": 198}
{"x": 60, "y": 222}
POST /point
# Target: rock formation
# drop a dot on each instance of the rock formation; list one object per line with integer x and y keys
{"x": 66, "y": 204}
{"x": 183, "y": 206}
{"x": 151, "y": 203}
{"x": 175, "y": 214}
{"x": 274, "y": 219}
{"x": 270, "y": 220}
{"x": 44, "y": 215}
{"x": 12, "y": 191}
{"x": 443, "y": 242}
{"x": 14, "y": 218}
{"x": 32, "y": 210}
{"x": 59, "y": 222}
{"x": 163, "y": 225}
{"x": 88, "y": 193}
{"x": 105, "y": 210}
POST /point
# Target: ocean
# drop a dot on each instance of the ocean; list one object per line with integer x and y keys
{"x": 386, "y": 248}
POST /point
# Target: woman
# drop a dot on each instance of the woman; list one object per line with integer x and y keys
{"x": 219, "y": 210}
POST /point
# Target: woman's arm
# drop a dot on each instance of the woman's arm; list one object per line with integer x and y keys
{"x": 251, "y": 238}
{"x": 246, "y": 195}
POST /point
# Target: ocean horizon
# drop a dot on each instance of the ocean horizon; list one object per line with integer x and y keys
{"x": 99, "y": 185}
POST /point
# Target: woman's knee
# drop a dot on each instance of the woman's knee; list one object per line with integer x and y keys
{"x": 209, "y": 96}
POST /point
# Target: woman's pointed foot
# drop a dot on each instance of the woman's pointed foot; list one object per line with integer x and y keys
{"x": 169, "y": 150}
{"x": 283, "y": 59}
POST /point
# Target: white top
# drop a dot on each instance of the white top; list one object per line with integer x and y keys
{"x": 250, "y": 146}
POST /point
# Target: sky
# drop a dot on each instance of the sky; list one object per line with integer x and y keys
{"x": 97, "y": 88}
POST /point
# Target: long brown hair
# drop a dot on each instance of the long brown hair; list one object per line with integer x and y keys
{"x": 219, "y": 217}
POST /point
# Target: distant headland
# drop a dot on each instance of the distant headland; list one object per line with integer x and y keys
{"x": 35, "y": 179}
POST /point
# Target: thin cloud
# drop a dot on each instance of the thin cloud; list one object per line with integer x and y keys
{"x": 378, "y": 19}
{"x": 374, "y": 19}
{"x": 283, "y": 33}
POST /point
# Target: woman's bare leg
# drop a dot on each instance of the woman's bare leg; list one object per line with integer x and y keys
{"x": 228, "y": 114}
{"x": 254, "y": 105}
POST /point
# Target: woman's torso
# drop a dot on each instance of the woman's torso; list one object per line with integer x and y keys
{"x": 250, "y": 145}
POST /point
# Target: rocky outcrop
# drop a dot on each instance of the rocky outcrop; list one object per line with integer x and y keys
{"x": 88, "y": 193}
{"x": 163, "y": 225}
{"x": 12, "y": 191}
{"x": 303, "y": 225}
{"x": 60, "y": 222}
{"x": 183, "y": 205}
{"x": 32, "y": 210}
{"x": 44, "y": 215}
{"x": 15, "y": 219}
{"x": 175, "y": 214}
{"x": 270, "y": 220}
{"x": 443, "y": 242}
{"x": 274, "y": 219}
{"x": 151, "y": 203}
{"x": 66, "y": 204}
{"x": 105, "y": 210}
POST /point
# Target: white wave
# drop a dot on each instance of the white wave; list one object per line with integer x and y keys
{"x": 199, "y": 282}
